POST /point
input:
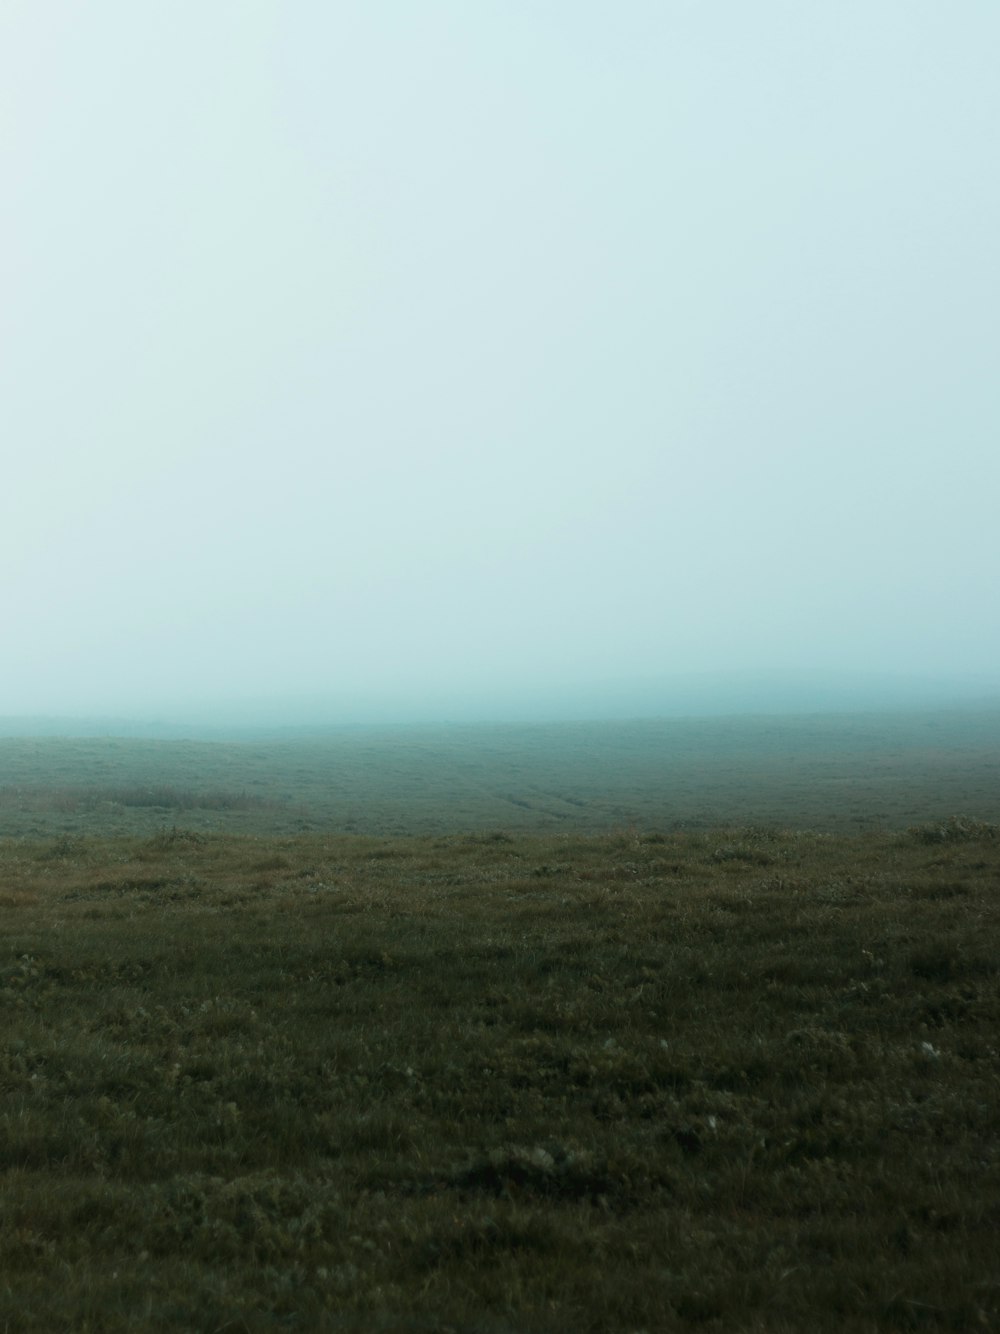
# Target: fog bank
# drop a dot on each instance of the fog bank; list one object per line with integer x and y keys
{"x": 455, "y": 360}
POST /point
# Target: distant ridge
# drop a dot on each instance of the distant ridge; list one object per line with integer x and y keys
{"x": 45, "y": 726}
{"x": 691, "y": 695}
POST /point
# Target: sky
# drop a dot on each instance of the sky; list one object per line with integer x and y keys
{"x": 431, "y": 348}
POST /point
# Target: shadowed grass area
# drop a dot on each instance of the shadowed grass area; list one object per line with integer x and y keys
{"x": 733, "y": 1079}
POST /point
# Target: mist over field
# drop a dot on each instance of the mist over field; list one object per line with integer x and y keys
{"x": 500, "y": 665}
{"x": 697, "y": 696}
{"x": 418, "y": 362}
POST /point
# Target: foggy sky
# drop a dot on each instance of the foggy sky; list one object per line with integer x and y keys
{"x": 360, "y": 346}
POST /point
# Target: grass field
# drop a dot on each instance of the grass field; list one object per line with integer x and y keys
{"x": 833, "y": 772}
{"x": 260, "y": 1072}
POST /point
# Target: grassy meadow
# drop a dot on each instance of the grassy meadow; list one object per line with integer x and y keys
{"x": 664, "y": 1026}
{"x": 838, "y": 773}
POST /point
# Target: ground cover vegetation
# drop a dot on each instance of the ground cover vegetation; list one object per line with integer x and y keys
{"x": 742, "y": 1078}
{"x": 832, "y": 772}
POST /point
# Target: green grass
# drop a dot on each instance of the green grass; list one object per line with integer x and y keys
{"x": 838, "y": 773}
{"x": 742, "y": 1078}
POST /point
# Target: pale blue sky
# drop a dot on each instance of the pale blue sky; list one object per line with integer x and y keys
{"x": 467, "y": 344}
